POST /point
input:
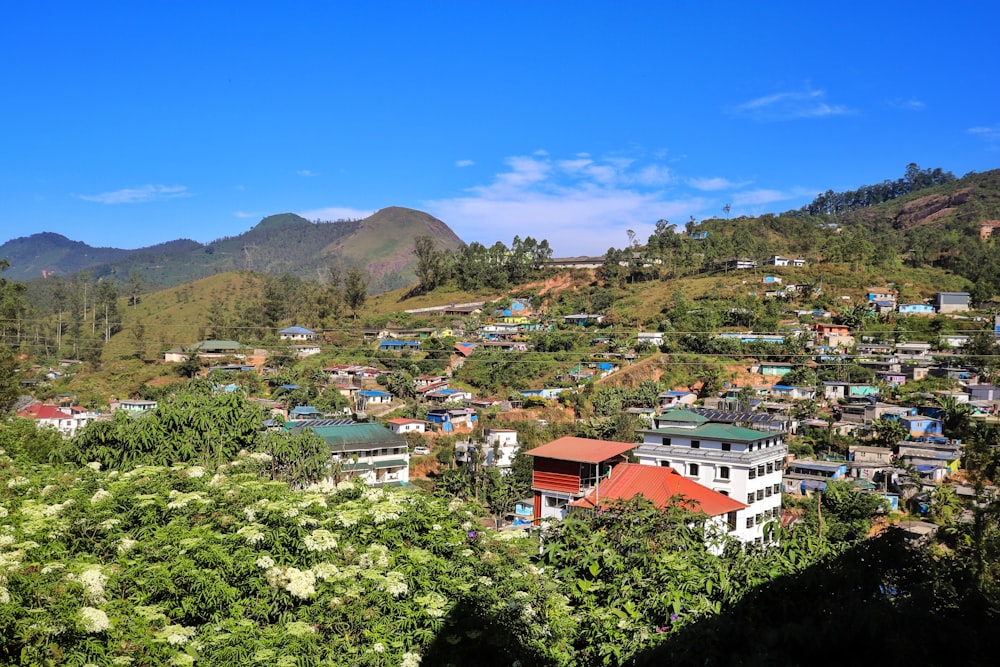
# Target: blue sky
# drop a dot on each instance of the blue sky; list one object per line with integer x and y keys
{"x": 133, "y": 123}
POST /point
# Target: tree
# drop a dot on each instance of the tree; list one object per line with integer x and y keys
{"x": 889, "y": 432}
{"x": 355, "y": 289}
{"x": 10, "y": 387}
{"x": 432, "y": 263}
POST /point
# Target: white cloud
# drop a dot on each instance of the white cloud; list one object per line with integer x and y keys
{"x": 305, "y": 172}
{"x": 582, "y": 205}
{"x": 138, "y": 195}
{"x": 464, "y": 163}
{"x": 335, "y": 213}
{"x": 790, "y": 105}
{"x": 713, "y": 184}
{"x": 990, "y": 135}
{"x": 911, "y": 104}
{"x": 244, "y": 214}
{"x": 768, "y": 196}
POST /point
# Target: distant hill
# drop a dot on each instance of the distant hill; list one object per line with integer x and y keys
{"x": 279, "y": 244}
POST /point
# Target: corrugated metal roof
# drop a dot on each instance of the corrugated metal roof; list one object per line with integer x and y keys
{"x": 714, "y": 431}
{"x": 661, "y": 485}
{"x": 582, "y": 450}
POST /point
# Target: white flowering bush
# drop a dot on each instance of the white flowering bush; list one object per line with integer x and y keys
{"x": 181, "y": 564}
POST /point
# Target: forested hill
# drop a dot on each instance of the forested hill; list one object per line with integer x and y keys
{"x": 280, "y": 244}
{"x": 926, "y": 219}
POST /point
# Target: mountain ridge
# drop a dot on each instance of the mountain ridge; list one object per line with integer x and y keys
{"x": 284, "y": 243}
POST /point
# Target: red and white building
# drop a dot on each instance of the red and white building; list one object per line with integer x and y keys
{"x": 568, "y": 469}
{"x": 67, "y": 421}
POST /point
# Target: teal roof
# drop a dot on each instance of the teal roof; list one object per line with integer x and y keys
{"x": 715, "y": 431}
{"x": 359, "y": 436}
{"x": 683, "y": 417}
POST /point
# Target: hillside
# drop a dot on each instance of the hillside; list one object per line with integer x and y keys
{"x": 278, "y": 245}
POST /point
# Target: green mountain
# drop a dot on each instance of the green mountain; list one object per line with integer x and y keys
{"x": 279, "y": 244}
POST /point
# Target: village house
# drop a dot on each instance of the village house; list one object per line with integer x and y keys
{"x": 402, "y": 425}
{"x": 805, "y": 475}
{"x": 732, "y": 460}
{"x": 297, "y": 334}
{"x": 208, "y": 349}
{"x": 665, "y": 487}
{"x": 567, "y": 469}
{"x": 452, "y": 419}
{"x": 915, "y": 309}
{"x": 951, "y": 302}
{"x": 834, "y": 335}
{"x": 66, "y": 421}
{"x": 369, "y": 452}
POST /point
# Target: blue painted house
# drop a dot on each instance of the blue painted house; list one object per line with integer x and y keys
{"x": 915, "y": 309}
{"x": 921, "y": 425}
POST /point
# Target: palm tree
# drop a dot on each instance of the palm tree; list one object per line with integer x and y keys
{"x": 956, "y": 415}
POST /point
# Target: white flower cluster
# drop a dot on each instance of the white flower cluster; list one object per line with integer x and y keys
{"x": 300, "y": 583}
{"x": 3, "y": 512}
{"x": 95, "y": 466}
{"x": 47, "y": 490}
{"x": 410, "y": 660}
{"x": 109, "y": 524}
{"x": 176, "y": 634}
{"x": 100, "y": 496}
{"x": 250, "y": 513}
{"x": 218, "y": 479}
{"x": 265, "y": 562}
{"x": 92, "y": 580}
{"x": 4, "y": 595}
{"x": 326, "y": 571}
{"x": 378, "y": 647}
{"x": 94, "y": 620}
{"x": 261, "y": 457}
{"x": 194, "y": 472}
{"x": 299, "y": 629}
{"x": 433, "y": 604}
{"x": 320, "y": 540}
{"x": 17, "y": 482}
{"x": 252, "y": 533}
{"x": 7, "y": 540}
{"x": 377, "y": 555}
{"x": 394, "y": 583}
{"x": 181, "y": 500}
{"x": 52, "y": 567}
{"x": 455, "y": 505}
{"x": 125, "y": 545}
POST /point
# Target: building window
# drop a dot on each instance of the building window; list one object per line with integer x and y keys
{"x": 777, "y": 464}
{"x": 752, "y": 473}
{"x": 760, "y": 519}
{"x": 665, "y": 464}
{"x": 749, "y": 522}
{"x": 731, "y": 520}
{"x": 760, "y": 494}
{"x": 760, "y": 470}
{"x": 693, "y": 469}
{"x": 770, "y": 468}
{"x": 750, "y": 499}
{"x": 552, "y": 501}
{"x": 767, "y": 492}
{"x": 777, "y": 488}
{"x": 723, "y": 472}
{"x": 666, "y": 442}
{"x": 723, "y": 492}
{"x": 695, "y": 444}
{"x": 727, "y": 447}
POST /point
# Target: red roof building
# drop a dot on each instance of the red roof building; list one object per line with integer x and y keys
{"x": 568, "y": 468}
{"x": 662, "y": 485}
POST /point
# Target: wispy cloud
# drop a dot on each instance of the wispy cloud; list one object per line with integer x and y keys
{"x": 713, "y": 184}
{"x": 790, "y": 105}
{"x": 907, "y": 104}
{"x": 989, "y": 134}
{"x": 335, "y": 213}
{"x": 138, "y": 195}
{"x": 768, "y": 196}
{"x": 305, "y": 172}
{"x": 464, "y": 163}
{"x": 244, "y": 214}
{"x": 581, "y": 204}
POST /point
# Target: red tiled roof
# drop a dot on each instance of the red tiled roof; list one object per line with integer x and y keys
{"x": 659, "y": 484}
{"x": 41, "y": 411}
{"x": 582, "y": 450}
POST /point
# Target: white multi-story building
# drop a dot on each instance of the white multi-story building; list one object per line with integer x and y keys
{"x": 503, "y": 442}
{"x": 738, "y": 462}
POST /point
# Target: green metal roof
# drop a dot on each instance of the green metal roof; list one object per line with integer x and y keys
{"x": 356, "y": 436}
{"x": 683, "y": 417}
{"x": 390, "y": 463}
{"x": 715, "y": 431}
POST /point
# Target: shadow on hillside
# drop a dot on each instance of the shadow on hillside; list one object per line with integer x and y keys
{"x": 880, "y": 603}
